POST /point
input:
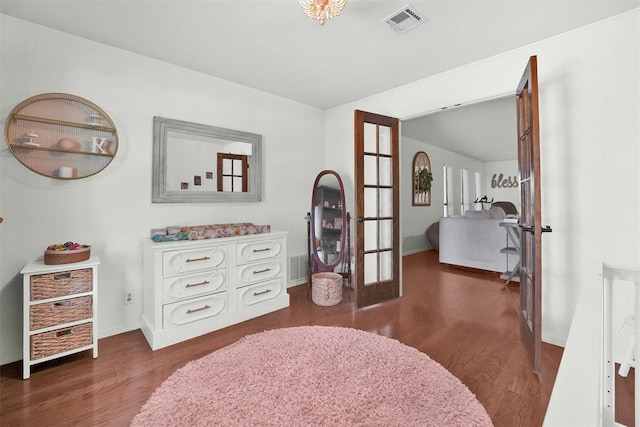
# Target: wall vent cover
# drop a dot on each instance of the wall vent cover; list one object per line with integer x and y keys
{"x": 405, "y": 19}
{"x": 298, "y": 267}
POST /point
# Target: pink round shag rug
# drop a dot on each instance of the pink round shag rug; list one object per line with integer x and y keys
{"x": 309, "y": 376}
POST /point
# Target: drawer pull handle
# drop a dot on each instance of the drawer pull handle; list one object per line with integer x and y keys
{"x": 206, "y": 307}
{"x": 192, "y": 285}
{"x": 262, "y": 271}
{"x": 261, "y": 250}
{"x": 61, "y": 304}
{"x": 255, "y": 294}
{"x": 62, "y": 276}
{"x": 63, "y": 333}
{"x": 204, "y": 258}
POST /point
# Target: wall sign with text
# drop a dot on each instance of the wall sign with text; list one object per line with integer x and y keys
{"x": 501, "y": 181}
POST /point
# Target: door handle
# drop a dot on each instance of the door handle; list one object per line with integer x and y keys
{"x": 546, "y": 229}
{"x": 527, "y": 228}
{"x": 360, "y": 219}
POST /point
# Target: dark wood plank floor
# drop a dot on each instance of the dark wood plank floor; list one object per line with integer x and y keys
{"x": 465, "y": 320}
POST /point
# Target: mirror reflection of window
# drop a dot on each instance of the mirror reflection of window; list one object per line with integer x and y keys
{"x": 232, "y": 172}
{"x": 192, "y": 155}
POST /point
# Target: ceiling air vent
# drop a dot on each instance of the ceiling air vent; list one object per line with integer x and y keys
{"x": 405, "y": 19}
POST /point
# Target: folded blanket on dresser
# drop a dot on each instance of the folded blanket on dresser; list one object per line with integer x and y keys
{"x": 214, "y": 231}
{"x": 210, "y": 231}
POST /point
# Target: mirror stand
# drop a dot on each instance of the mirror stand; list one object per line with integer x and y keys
{"x": 345, "y": 265}
{"x": 328, "y": 230}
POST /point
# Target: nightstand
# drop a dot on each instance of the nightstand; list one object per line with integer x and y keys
{"x": 60, "y": 310}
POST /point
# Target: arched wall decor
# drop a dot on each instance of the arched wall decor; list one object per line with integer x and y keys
{"x": 422, "y": 179}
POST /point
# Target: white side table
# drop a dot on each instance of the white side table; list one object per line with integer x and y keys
{"x": 60, "y": 310}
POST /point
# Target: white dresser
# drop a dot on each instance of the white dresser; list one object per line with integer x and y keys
{"x": 194, "y": 287}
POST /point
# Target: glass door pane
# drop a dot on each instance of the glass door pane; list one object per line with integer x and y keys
{"x": 378, "y": 204}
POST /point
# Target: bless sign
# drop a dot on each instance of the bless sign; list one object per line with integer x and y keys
{"x": 499, "y": 181}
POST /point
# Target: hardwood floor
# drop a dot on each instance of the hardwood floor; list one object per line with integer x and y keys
{"x": 465, "y": 320}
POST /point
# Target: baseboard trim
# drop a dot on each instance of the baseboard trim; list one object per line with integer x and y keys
{"x": 293, "y": 283}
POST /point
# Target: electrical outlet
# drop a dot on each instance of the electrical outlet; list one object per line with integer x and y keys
{"x": 128, "y": 297}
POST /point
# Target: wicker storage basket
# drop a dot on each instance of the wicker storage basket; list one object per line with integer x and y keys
{"x": 59, "y": 312}
{"x": 62, "y": 283}
{"x": 61, "y": 340}
{"x": 66, "y": 257}
{"x": 326, "y": 288}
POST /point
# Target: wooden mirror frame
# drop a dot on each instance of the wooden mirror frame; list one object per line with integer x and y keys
{"x": 316, "y": 263}
{"x": 160, "y": 191}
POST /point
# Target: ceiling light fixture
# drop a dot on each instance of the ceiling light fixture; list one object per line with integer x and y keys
{"x": 322, "y": 10}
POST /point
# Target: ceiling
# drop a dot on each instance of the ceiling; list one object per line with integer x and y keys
{"x": 485, "y": 131}
{"x": 272, "y": 46}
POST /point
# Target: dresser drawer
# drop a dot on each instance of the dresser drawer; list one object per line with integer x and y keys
{"x": 183, "y": 312}
{"x": 61, "y": 340}
{"x": 256, "y": 294}
{"x": 60, "y": 312}
{"x": 181, "y": 287}
{"x": 176, "y": 262}
{"x": 59, "y": 284}
{"x": 259, "y": 271}
{"x": 255, "y": 251}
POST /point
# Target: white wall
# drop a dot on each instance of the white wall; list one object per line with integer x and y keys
{"x": 416, "y": 219}
{"x": 589, "y": 135}
{"x": 499, "y": 190}
{"x": 589, "y": 131}
{"x": 112, "y": 210}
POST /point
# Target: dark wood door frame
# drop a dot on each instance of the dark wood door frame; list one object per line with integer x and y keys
{"x": 242, "y": 173}
{"x": 381, "y": 289}
{"x": 530, "y": 215}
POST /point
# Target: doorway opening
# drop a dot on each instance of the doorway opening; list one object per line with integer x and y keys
{"x": 479, "y": 137}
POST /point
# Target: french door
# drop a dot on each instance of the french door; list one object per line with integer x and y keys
{"x": 377, "y": 208}
{"x": 531, "y": 214}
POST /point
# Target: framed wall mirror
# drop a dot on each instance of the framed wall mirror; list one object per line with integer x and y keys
{"x": 195, "y": 163}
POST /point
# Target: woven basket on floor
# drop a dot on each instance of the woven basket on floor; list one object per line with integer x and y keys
{"x": 326, "y": 288}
